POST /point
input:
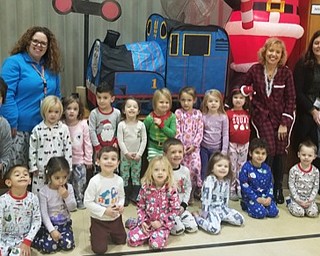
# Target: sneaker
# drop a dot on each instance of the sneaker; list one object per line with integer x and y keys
{"x": 239, "y": 193}
{"x": 131, "y": 223}
{"x": 80, "y": 206}
{"x": 243, "y": 206}
{"x": 233, "y": 196}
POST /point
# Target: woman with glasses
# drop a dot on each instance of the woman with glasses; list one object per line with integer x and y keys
{"x": 32, "y": 73}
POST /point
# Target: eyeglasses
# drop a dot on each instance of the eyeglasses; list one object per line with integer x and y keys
{"x": 35, "y": 42}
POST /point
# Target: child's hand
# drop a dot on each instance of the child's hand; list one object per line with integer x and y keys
{"x": 25, "y": 250}
{"x": 157, "y": 121}
{"x": 55, "y": 234}
{"x": 190, "y": 149}
{"x": 63, "y": 192}
{"x": 130, "y": 156}
{"x": 267, "y": 201}
{"x": 112, "y": 211}
{"x": 181, "y": 210}
{"x": 121, "y": 209}
{"x": 137, "y": 158}
{"x": 155, "y": 224}
{"x": 145, "y": 228}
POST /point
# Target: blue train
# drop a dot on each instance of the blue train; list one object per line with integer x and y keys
{"x": 174, "y": 55}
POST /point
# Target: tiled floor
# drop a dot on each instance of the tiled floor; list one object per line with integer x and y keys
{"x": 284, "y": 235}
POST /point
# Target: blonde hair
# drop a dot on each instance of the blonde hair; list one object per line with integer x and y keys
{"x": 270, "y": 42}
{"x": 161, "y": 92}
{"x": 147, "y": 177}
{"x": 214, "y": 93}
{"x": 50, "y": 102}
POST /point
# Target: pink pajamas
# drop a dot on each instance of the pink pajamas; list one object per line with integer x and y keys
{"x": 190, "y": 132}
{"x": 155, "y": 205}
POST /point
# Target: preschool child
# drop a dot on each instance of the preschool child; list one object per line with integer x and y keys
{"x": 304, "y": 182}
{"x": 56, "y": 202}
{"x": 20, "y": 217}
{"x": 256, "y": 183}
{"x": 190, "y": 133}
{"x": 81, "y": 145}
{"x": 184, "y": 221}
{"x": 215, "y": 128}
{"x": 160, "y": 123}
{"x": 49, "y": 138}
{"x": 158, "y": 205}
{"x": 104, "y": 197}
{"x": 215, "y": 196}
{"x": 239, "y": 136}
{"x": 6, "y": 149}
{"x": 132, "y": 139}
{"x": 104, "y": 119}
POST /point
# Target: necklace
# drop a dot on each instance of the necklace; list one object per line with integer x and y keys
{"x": 269, "y": 80}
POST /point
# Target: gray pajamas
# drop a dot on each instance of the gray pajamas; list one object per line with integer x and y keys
{"x": 214, "y": 209}
{"x": 303, "y": 186}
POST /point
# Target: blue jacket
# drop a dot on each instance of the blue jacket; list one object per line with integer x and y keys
{"x": 25, "y": 91}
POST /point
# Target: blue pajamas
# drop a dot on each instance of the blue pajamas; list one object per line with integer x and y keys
{"x": 45, "y": 244}
{"x": 257, "y": 182}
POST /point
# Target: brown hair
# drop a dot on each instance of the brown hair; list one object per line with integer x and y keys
{"x": 52, "y": 59}
{"x": 216, "y": 157}
{"x": 71, "y": 99}
{"x": 214, "y": 93}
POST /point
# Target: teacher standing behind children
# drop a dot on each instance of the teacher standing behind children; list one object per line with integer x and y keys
{"x": 32, "y": 73}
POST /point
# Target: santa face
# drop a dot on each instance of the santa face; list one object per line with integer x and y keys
{"x": 107, "y": 132}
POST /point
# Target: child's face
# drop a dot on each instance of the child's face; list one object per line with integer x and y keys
{"x": 53, "y": 115}
{"x": 175, "y": 155}
{"x": 131, "y": 109}
{"x": 221, "y": 169}
{"x": 19, "y": 178}
{"x": 187, "y": 101}
{"x": 238, "y": 101}
{"x": 162, "y": 105}
{"x": 159, "y": 174}
{"x": 258, "y": 156}
{"x": 104, "y": 100}
{"x": 108, "y": 162}
{"x": 213, "y": 103}
{"x": 306, "y": 156}
{"x": 72, "y": 112}
{"x": 58, "y": 179}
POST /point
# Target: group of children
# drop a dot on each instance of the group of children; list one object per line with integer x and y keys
{"x": 192, "y": 153}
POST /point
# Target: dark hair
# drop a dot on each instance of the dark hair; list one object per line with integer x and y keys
{"x": 171, "y": 142}
{"x": 56, "y": 164}
{"x": 216, "y": 157}
{"x": 11, "y": 169}
{"x": 125, "y": 102}
{"x": 309, "y": 58}
{"x": 51, "y": 57}
{"x": 258, "y": 143}
{"x": 3, "y": 89}
{"x": 236, "y": 90}
{"x": 105, "y": 87}
{"x": 107, "y": 149}
{"x": 308, "y": 144}
{"x": 71, "y": 99}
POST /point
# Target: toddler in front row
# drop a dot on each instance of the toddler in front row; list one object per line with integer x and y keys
{"x": 304, "y": 182}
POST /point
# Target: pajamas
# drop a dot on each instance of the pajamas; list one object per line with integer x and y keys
{"x": 155, "y": 205}
{"x": 45, "y": 244}
{"x": 238, "y": 155}
{"x": 214, "y": 206}
{"x": 190, "y": 133}
{"x": 303, "y": 186}
{"x": 184, "y": 222}
{"x": 205, "y": 155}
{"x": 79, "y": 181}
{"x": 257, "y": 182}
{"x": 135, "y": 166}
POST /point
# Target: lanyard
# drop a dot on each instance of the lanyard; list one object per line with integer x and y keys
{"x": 41, "y": 74}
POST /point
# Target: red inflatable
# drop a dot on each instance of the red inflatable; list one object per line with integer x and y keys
{"x": 253, "y": 21}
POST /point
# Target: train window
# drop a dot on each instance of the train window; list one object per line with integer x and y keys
{"x": 196, "y": 44}
{"x": 163, "y": 30}
{"x": 174, "y": 44}
{"x": 148, "y": 27}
